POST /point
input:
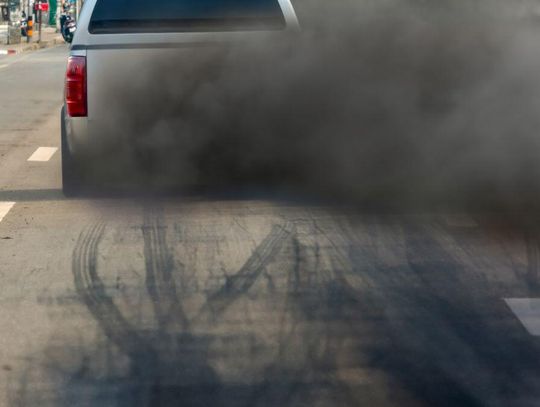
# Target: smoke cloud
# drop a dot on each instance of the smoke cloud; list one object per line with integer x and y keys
{"x": 384, "y": 102}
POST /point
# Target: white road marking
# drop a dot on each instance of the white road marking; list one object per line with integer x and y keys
{"x": 5, "y": 207}
{"x": 4, "y": 66}
{"x": 527, "y": 310}
{"x": 43, "y": 154}
{"x": 460, "y": 221}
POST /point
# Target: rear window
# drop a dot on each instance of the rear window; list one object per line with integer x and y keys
{"x": 136, "y": 16}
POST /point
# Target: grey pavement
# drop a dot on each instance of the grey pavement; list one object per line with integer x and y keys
{"x": 191, "y": 301}
{"x": 49, "y": 38}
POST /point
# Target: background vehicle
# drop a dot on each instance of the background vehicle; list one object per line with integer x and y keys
{"x": 67, "y": 27}
{"x": 118, "y": 39}
{"x": 24, "y": 24}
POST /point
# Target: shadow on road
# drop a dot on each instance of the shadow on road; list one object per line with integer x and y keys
{"x": 31, "y": 195}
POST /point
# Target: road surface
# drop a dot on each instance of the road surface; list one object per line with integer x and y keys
{"x": 191, "y": 301}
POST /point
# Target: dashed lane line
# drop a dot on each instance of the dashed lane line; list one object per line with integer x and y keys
{"x": 43, "y": 154}
{"x": 527, "y": 310}
{"x": 5, "y": 207}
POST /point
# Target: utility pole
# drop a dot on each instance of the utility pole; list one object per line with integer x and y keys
{"x": 58, "y": 13}
{"x": 29, "y": 27}
{"x": 29, "y": 22}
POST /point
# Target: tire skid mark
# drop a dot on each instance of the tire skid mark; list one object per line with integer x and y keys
{"x": 159, "y": 263}
{"x": 91, "y": 289}
{"x": 303, "y": 349}
{"x": 293, "y": 290}
{"x": 343, "y": 258}
{"x": 239, "y": 283}
{"x": 299, "y": 334}
{"x": 289, "y": 381}
{"x": 307, "y": 342}
{"x": 335, "y": 299}
{"x": 160, "y": 283}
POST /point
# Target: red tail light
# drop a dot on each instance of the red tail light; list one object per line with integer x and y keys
{"x": 76, "y": 87}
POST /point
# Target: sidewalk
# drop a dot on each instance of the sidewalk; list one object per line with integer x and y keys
{"x": 49, "y": 38}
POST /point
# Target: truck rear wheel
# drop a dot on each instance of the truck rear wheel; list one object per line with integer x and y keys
{"x": 71, "y": 176}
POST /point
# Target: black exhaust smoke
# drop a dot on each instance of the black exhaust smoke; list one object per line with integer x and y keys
{"x": 387, "y": 102}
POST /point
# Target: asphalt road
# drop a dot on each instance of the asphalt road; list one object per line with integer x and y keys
{"x": 192, "y": 301}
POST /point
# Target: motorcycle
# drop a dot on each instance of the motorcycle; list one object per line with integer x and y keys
{"x": 23, "y": 23}
{"x": 68, "y": 26}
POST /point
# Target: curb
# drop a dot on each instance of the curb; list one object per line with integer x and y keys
{"x": 33, "y": 46}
